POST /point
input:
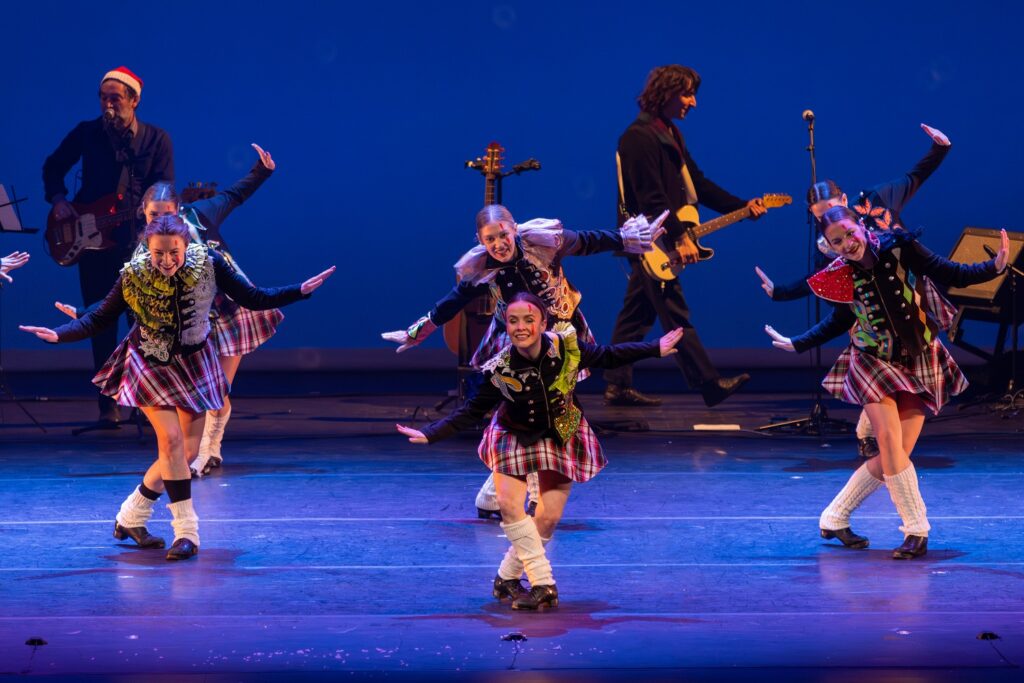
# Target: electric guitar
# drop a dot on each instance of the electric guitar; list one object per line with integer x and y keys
{"x": 664, "y": 262}
{"x": 91, "y": 229}
{"x": 482, "y": 305}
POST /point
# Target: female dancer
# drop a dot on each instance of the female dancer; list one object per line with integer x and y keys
{"x": 167, "y": 366}
{"x": 237, "y": 331}
{"x": 895, "y": 365}
{"x": 880, "y": 208}
{"x": 527, "y": 257}
{"x": 537, "y": 427}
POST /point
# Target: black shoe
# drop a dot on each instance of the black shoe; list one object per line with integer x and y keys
{"x": 139, "y": 534}
{"x": 846, "y": 537}
{"x": 615, "y": 395}
{"x": 913, "y": 546}
{"x": 717, "y": 390}
{"x": 539, "y": 597}
{"x": 531, "y": 509}
{"x": 508, "y": 588}
{"x": 867, "y": 447}
{"x": 488, "y": 514}
{"x": 214, "y": 463}
{"x": 182, "y": 549}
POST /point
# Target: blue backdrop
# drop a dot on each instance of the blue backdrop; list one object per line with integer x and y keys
{"x": 370, "y": 113}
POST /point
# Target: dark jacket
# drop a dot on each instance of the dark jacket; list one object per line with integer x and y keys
{"x": 530, "y": 404}
{"x": 887, "y": 302}
{"x": 652, "y": 153}
{"x": 889, "y": 198}
{"x": 152, "y": 161}
{"x": 185, "y": 312}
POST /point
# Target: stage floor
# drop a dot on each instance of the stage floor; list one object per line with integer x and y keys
{"x": 330, "y": 545}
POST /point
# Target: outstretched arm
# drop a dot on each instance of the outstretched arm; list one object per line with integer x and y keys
{"x": 215, "y": 210}
{"x": 443, "y": 311}
{"x": 261, "y": 298}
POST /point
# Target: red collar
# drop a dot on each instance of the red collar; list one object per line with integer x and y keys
{"x": 834, "y": 282}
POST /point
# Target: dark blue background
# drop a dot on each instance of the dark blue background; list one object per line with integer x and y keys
{"x": 370, "y": 113}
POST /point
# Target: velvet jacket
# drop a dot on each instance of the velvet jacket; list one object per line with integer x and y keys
{"x": 887, "y": 304}
{"x": 535, "y": 398}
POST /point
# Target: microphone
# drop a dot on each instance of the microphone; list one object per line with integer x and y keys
{"x": 109, "y": 115}
{"x": 808, "y": 115}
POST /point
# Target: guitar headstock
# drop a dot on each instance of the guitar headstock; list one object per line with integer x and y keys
{"x": 493, "y": 159}
{"x": 774, "y": 201}
{"x": 198, "y": 190}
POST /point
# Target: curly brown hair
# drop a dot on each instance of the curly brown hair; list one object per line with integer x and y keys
{"x": 664, "y": 83}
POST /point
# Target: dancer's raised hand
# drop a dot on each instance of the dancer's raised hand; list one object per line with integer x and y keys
{"x": 265, "y": 157}
{"x": 313, "y": 283}
{"x": 937, "y": 136}
{"x": 778, "y": 341}
{"x": 668, "y": 342}
{"x": 766, "y": 282}
{"x": 14, "y": 260}
{"x": 67, "y": 309}
{"x": 44, "y": 333}
{"x": 415, "y": 435}
{"x": 1003, "y": 257}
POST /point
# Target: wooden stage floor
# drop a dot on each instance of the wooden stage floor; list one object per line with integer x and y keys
{"x": 334, "y": 550}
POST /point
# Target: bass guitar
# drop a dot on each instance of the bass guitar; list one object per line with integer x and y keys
{"x": 66, "y": 239}
{"x": 664, "y": 262}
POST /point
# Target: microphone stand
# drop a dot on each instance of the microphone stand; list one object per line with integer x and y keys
{"x": 1009, "y": 399}
{"x": 817, "y": 422}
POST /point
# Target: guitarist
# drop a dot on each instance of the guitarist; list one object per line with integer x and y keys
{"x": 657, "y": 173}
{"x": 120, "y": 155}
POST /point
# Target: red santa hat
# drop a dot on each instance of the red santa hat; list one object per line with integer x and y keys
{"x": 124, "y": 75}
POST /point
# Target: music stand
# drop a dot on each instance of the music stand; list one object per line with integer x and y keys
{"x": 10, "y": 222}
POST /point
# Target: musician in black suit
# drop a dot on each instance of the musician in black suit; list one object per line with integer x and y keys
{"x": 120, "y": 156}
{"x": 657, "y": 173}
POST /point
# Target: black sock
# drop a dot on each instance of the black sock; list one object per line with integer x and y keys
{"x": 178, "y": 489}
{"x": 148, "y": 492}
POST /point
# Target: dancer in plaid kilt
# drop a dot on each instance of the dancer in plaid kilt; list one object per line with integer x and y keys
{"x": 895, "y": 366}
{"x": 167, "y": 366}
{"x": 880, "y": 208}
{"x": 512, "y": 258}
{"x": 537, "y": 426}
{"x": 236, "y": 330}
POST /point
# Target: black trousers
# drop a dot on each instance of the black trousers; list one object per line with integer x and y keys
{"x": 97, "y": 273}
{"x": 645, "y": 301}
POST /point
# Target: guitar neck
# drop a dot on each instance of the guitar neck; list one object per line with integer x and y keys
{"x": 113, "y": 219}
{"x": 721, "y": 222}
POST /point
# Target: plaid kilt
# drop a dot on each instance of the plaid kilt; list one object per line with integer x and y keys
{"x": 859, "y": 377}
{"x": 237, "y": 331}
{"x": 194, "y": 382}
{"x": 579, "y": 459}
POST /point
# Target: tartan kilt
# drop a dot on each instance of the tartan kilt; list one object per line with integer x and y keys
{"x": 194, "y": 382}
{"x": 579, "y": 459}
{"x": 860, "y": 378}
{"x": 237, "y": 331}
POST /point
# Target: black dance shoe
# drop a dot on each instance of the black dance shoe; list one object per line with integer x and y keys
{"x": 913, "y": 546}
{"x": 717, "y": 390}
{"x": 488, "y": 514}
{"x": 215, "y": 462}
{"x": 139, "y": 534}
{"x": 508, "y": 588}
{"x": 615, "y": 395}
{"x": 846, "y": 537}
{"x": 538, "y": 598}
{"x": 867, "y": 447}
{"x": 182, "y": 549}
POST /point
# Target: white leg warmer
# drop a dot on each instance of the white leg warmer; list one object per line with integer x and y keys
{"x": 135, "y": 510}
{"x": 906, "y": 495}
{"x": 213, "y": 434}
{"x": 530, "y": 550}
{"x": 511, "y": 567}
{"x": 185, "y": 522}
{"x": 487, "y": 496}
{"x": 860, "y": 485}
